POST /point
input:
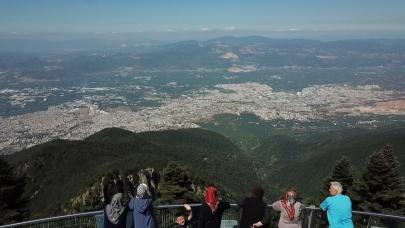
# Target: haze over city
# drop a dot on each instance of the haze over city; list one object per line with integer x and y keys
{"x": 181, "y": 19}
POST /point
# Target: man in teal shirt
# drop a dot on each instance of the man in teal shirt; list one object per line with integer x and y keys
{"x": 338, "y": 207}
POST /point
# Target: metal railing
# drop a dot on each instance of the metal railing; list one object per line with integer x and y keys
{"x": 86, "y": 219}
{"x": 316, "y": 218}
{"x": 165, "y": 215}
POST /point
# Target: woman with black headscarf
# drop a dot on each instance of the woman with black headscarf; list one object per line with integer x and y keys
{"x": 254, "y": 209}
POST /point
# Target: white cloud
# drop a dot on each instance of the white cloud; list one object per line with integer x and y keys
{"x": 205, "y": 29}
{"x": 167, "y": 30}
{"x": 230, "y": 28}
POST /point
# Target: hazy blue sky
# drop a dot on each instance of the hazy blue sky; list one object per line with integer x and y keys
{"x": 92, "y": 16}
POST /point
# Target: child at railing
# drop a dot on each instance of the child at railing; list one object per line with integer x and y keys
{"x": 183, "y": 219}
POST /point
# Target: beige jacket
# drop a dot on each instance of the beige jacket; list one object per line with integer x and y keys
{"x": 285, "y": 221}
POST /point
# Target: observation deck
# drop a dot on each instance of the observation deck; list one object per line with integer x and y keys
{"x": 312, "y": 217}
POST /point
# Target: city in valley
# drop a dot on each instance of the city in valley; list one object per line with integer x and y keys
{"x": 71, "y": 94}
{"x": 83, "y": 117}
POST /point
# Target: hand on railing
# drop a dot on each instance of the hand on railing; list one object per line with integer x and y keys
{"x": 188, "y": 208}
{"x": 258, "y": 224}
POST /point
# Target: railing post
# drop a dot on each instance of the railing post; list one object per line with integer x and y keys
{"x": 312, "y": 207}
{"x": 368, "y": 223}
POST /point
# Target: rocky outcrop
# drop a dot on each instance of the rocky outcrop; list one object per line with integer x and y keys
{"x": 100, "y": 193}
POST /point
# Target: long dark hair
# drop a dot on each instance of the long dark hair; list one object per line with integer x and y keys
{"x": 257, "y": 192}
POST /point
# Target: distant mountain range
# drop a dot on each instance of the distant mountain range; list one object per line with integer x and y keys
{"x": 267, "y": 52}
{"x": 365, "y": 61}
{"x": 257, "y": 50}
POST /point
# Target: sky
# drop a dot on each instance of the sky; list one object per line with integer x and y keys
{"x": 182, "y": 17}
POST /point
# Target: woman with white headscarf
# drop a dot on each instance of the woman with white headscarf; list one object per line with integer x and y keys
{"x": 142, "y": 208}
{"x": 115, "y": 212}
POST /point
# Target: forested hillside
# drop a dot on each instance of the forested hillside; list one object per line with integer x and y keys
{"x": 60, "y": 170}
{"x": 304, "y": 160}
{"x": 63, "y": 175}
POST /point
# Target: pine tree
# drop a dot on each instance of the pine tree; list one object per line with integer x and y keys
{"x": 343, "y": 172}
{"x": 13, "y": 206}
{"x": 383, "y": 188}
{"x": 176, "y": 185}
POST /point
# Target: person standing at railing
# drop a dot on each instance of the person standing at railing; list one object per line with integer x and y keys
{"x": 338, "y": 207}
{"x": 142, "y": 208}
{"x": 212, "y": 209}
{"x": 115, "y": 212}
{"x": 183, "y": 219}
{"x": 290, "y": 210}
{"x": 254, "y": 209}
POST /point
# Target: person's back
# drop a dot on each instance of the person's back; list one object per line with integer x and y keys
{"x": 339, "y": 211}
{"x": 142, "y": 208}
{"x": 212, "y": 219}
{"x": 119, "y": 223}
{"x": 253, "y": 210}
{"x": 212, "y": 209}
{"x": 143, "y": 212}
{"x": 338, "y": 207}
{"x": 115, "y": 212}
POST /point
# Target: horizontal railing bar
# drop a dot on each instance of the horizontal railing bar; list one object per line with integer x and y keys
{"x": 56, "y": 218}
{"x": 373, "y": 214}
{"x": 368, "y": 213}
{"x": 84, "y": 214}
{"x": 191, "y": 205}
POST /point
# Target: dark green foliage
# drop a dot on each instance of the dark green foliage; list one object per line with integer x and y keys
{"x": 13, "y": 206}
{"x": 176, "y": 185}
{"x": 309, "y": 157}
{"x": 343, "y": 173}
{"x": 383, "y": 188}
{"x": 112, "y": 184}
{"x": 61, "y": 170}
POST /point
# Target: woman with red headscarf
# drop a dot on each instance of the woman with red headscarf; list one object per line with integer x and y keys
{"x": 290, "y": 210}
{"x": 212, "y": 209}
